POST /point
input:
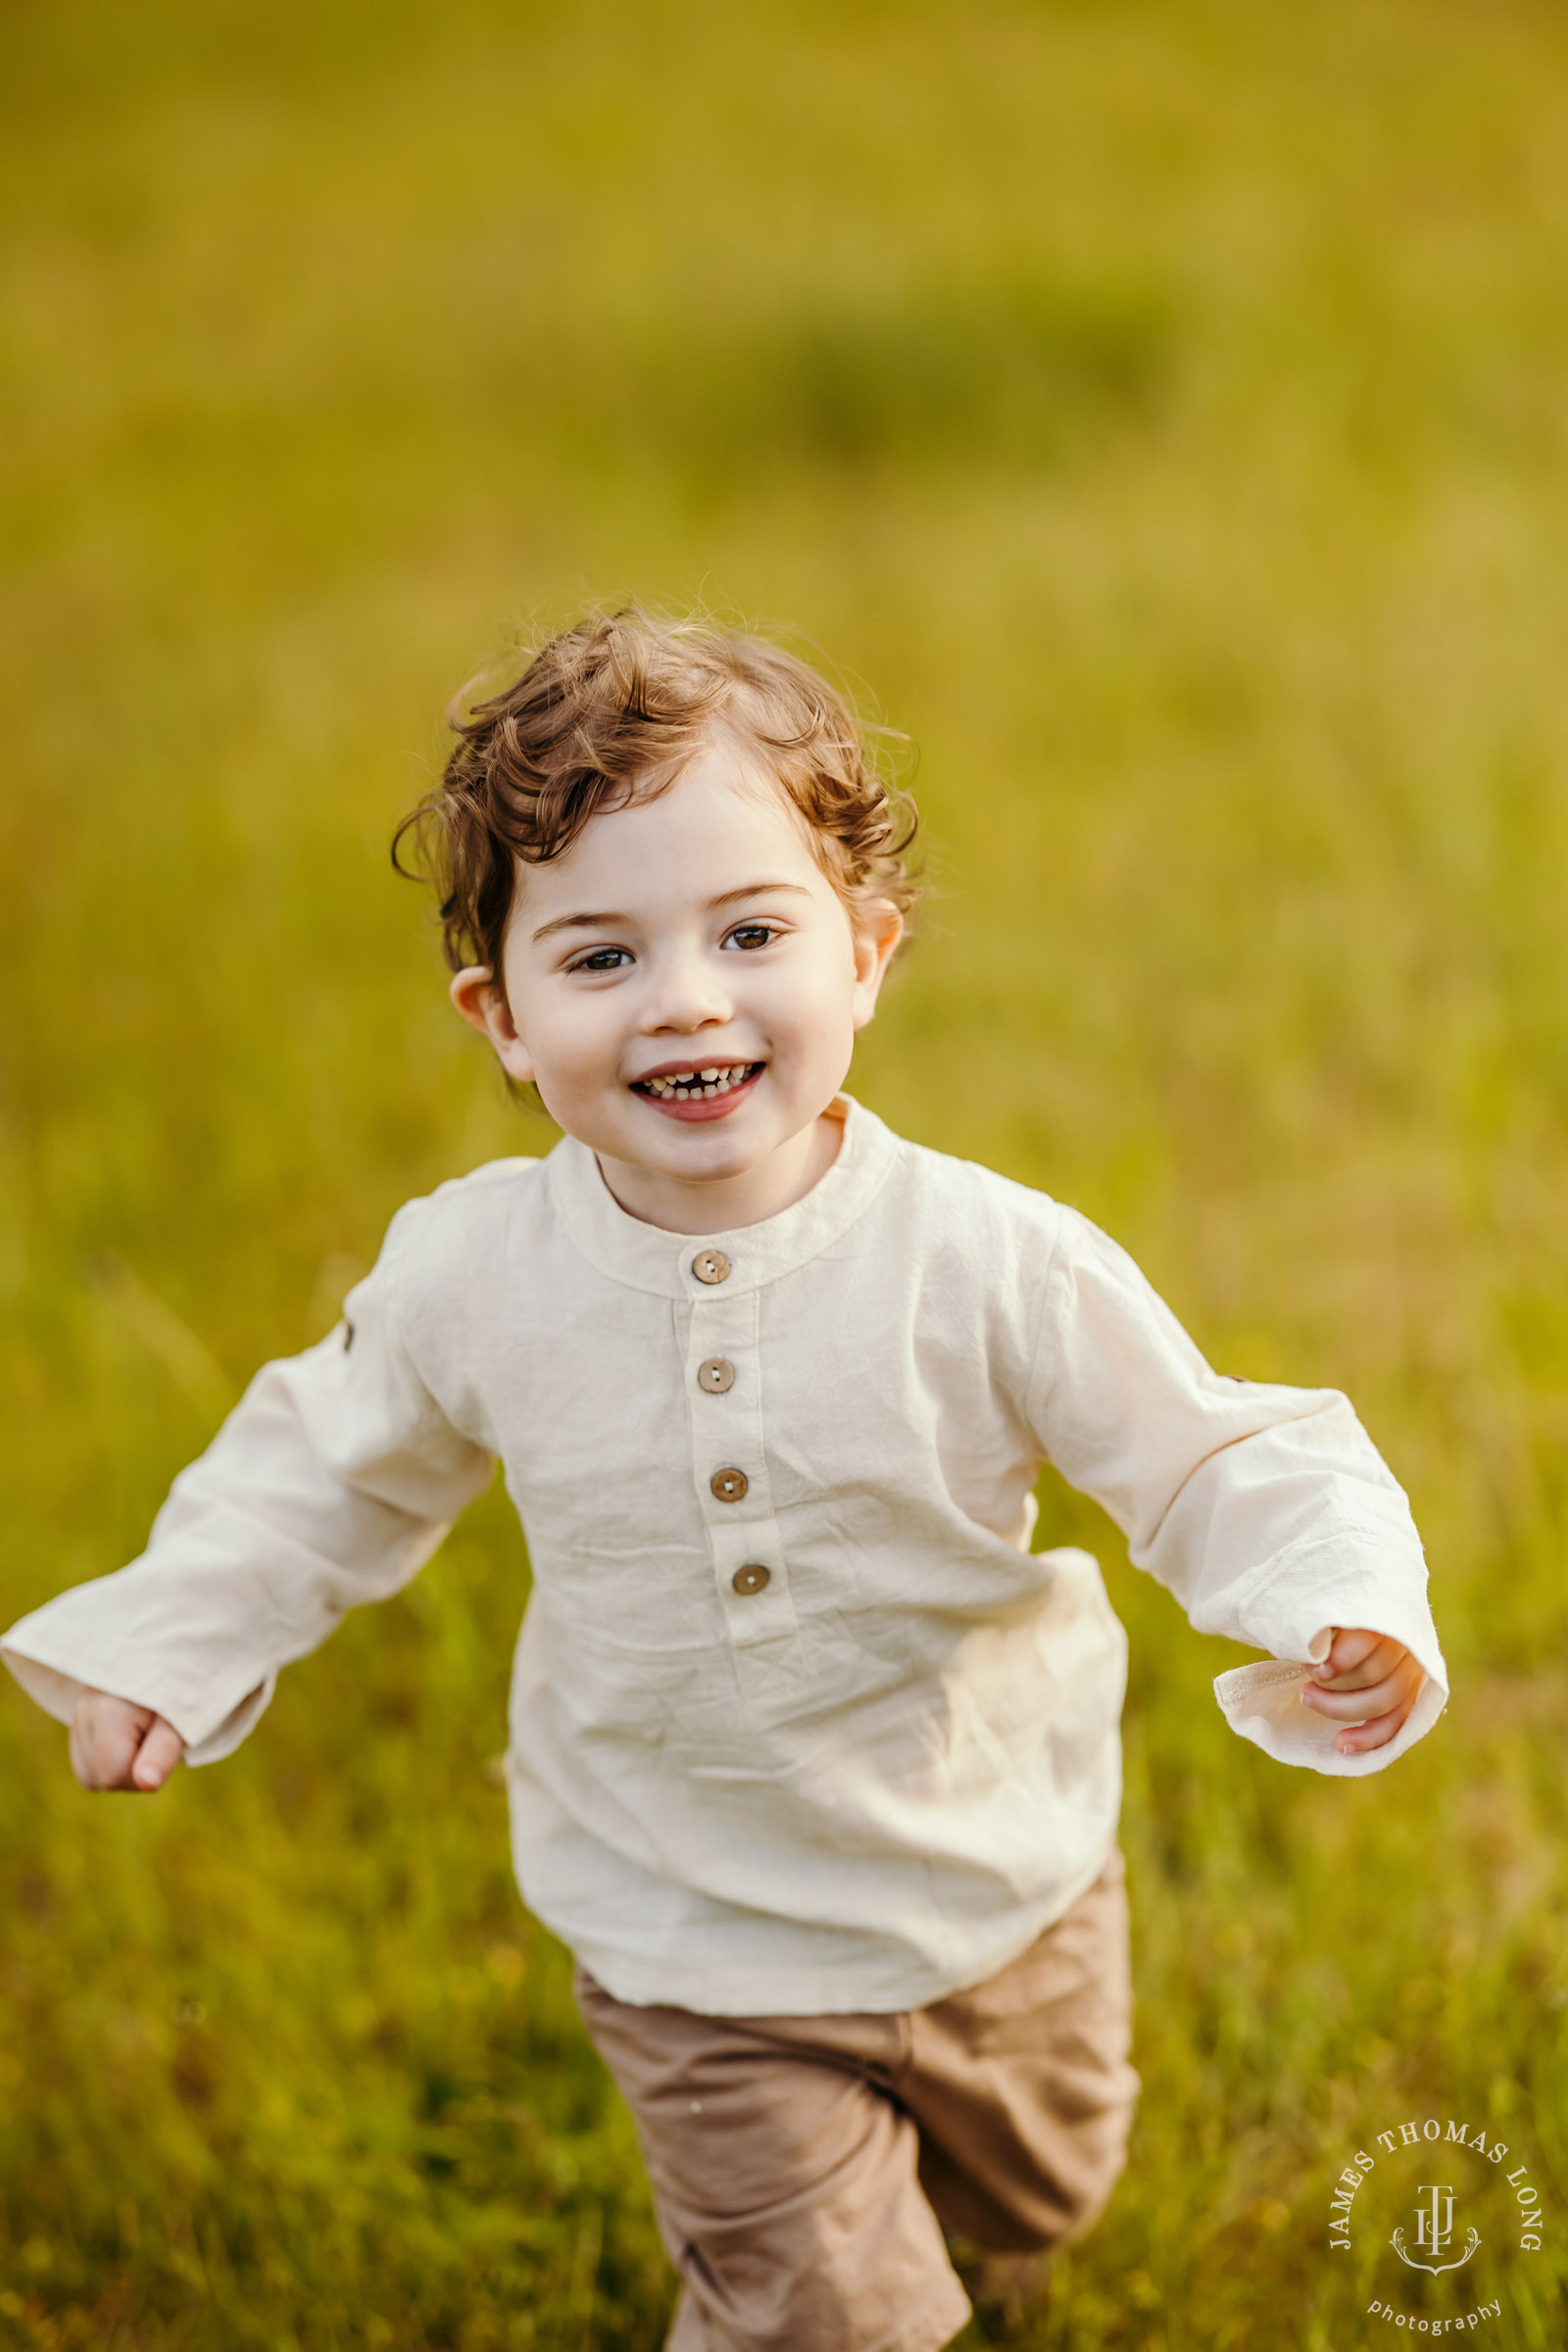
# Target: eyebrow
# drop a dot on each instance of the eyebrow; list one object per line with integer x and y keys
{"x": 608, "y": 922}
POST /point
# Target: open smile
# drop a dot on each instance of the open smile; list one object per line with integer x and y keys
{"x": 705, "y": 1091}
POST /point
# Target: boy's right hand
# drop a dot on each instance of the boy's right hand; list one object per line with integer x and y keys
{"x": 116, "y": 1744}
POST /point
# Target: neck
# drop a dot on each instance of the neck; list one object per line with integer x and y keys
{"x": 727, "y": 1202}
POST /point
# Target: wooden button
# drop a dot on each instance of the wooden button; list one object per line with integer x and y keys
{"x": 715, "y": 1376}
{"x": 710, "y": 1266}
{"x": 728, "y": 1486}
{"x": 750, "y": 1580}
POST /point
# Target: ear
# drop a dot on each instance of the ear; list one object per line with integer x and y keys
{"x": 877, "y": 928}
{"x": 483, "y": 1005}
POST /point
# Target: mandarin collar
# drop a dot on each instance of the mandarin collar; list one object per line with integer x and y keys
{"x": 646, "y": 1258}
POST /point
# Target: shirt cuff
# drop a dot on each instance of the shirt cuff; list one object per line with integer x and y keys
{"x": 57, "y": 1689}
{"x": 1262, "y": 1702}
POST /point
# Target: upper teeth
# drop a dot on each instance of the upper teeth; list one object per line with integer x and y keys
{"x": 683, "y": 1083}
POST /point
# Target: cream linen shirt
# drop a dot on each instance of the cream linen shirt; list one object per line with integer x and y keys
{"x": 872, "y": 1775}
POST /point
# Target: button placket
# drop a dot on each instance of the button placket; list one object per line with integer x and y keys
{"x": 724, "y": 1386}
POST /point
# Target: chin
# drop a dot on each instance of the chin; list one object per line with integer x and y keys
{"x": 713, "y": 1159}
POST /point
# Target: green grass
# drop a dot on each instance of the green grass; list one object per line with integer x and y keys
{"x": 1161, "y": 413}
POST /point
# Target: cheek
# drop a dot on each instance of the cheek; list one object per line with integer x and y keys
{"x": 574, "y": 1041}
{"x": 832, "y": 981}
{"x": 815, "y": 1013}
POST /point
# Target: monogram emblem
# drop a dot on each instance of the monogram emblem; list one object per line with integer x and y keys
{"x": 1434, "y": 2234}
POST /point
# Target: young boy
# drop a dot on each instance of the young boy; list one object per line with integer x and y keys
{"x": 813, "y": 1764}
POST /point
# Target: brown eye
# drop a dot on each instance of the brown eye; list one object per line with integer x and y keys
{"x": 753, "y": 935}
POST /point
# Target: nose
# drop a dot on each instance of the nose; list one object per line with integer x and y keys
{"x": 687, "y": 992}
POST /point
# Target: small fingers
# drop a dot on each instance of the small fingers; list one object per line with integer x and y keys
{"x": 1355, "y": 1706}
{"x": 1375, "y": 1714}
{"x": 116, "y": 1743}
{"x": 1357, "y": 1659}
{"x": 105, "y": 1733}
{"x": 159, "y": 1751}
{"x": 1377, "y": 1732}
{"x": 1349, "y": 1647}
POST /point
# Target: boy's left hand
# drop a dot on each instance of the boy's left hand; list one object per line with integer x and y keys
{"x": 1368, "y": 1680}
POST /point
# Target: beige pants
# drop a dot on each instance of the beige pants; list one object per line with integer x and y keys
{"x": 806, "y": 2169}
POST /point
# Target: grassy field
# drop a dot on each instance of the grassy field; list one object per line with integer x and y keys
{"x": 1160, "y": 412}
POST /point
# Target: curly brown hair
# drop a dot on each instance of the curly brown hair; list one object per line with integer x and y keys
{"x": 609, "y": 712}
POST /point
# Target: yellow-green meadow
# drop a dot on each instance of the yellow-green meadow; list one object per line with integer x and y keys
{"x": 1159, "y": 414}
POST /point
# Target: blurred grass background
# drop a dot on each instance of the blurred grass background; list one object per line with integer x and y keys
{"x": 1158, "y": 409}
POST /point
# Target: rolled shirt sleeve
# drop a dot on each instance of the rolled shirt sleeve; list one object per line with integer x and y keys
{"x": 330, "y": 1483}
{"x": 1266, "y": 1510}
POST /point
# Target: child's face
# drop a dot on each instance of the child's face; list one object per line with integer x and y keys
{"x": 688, "y": 943}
